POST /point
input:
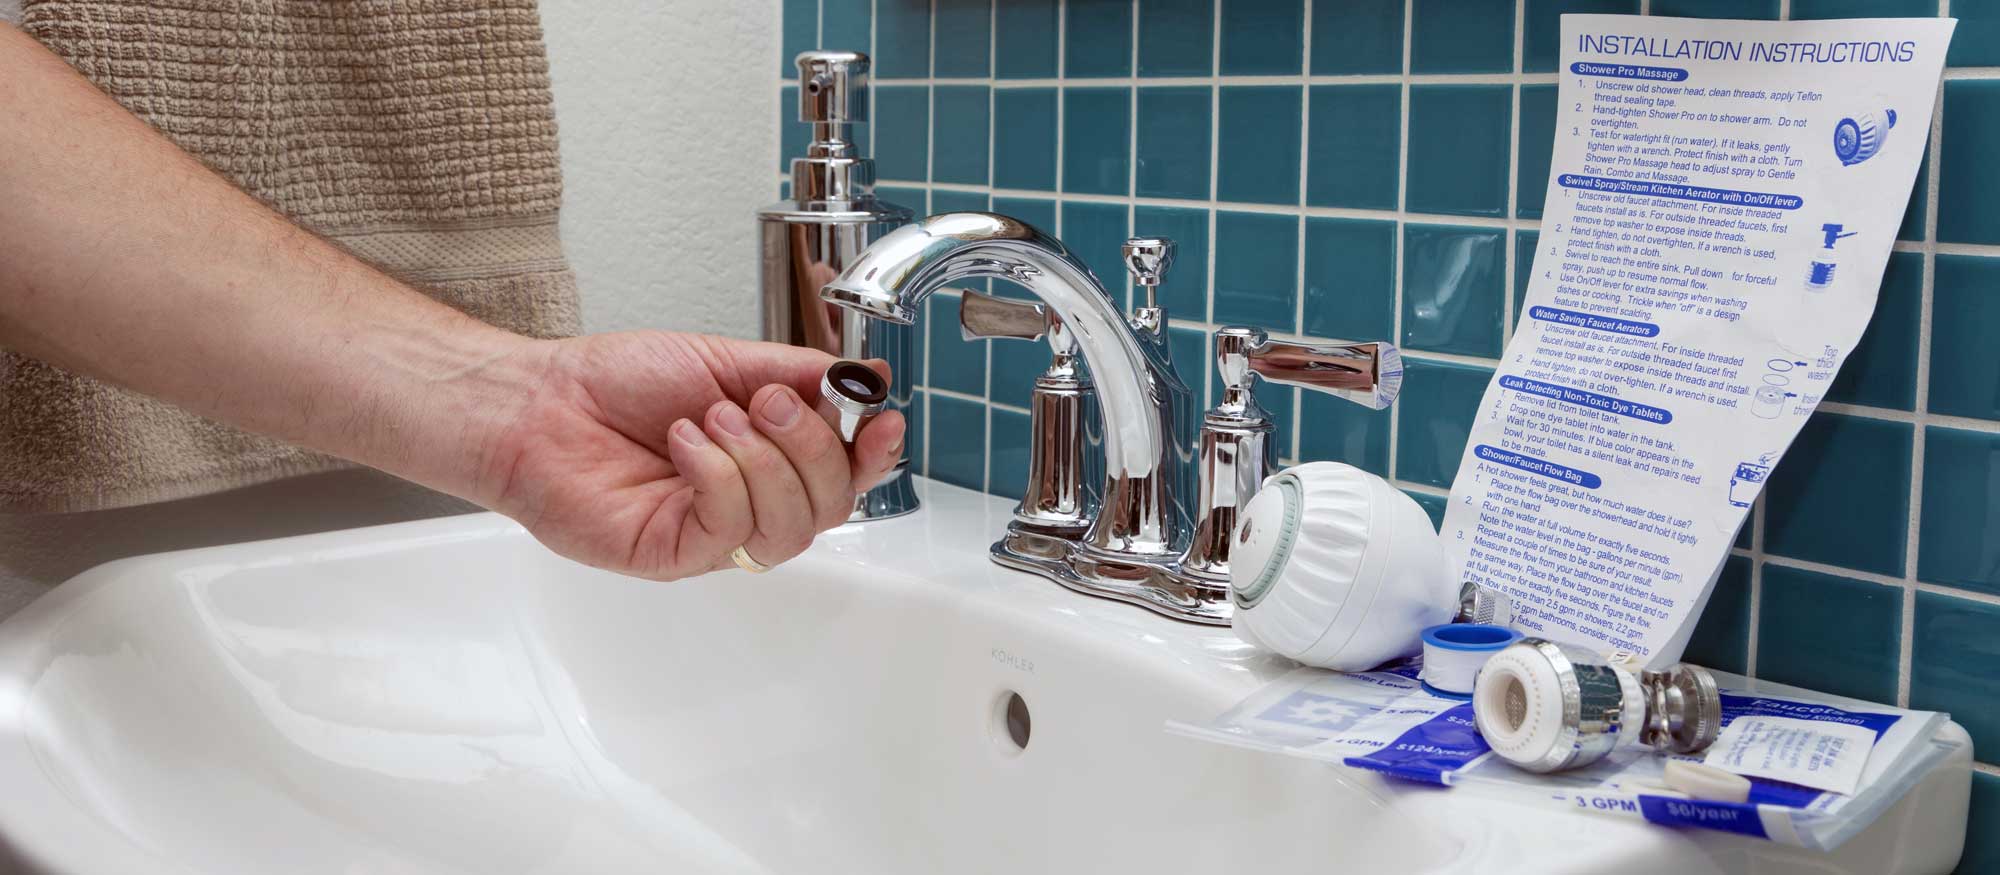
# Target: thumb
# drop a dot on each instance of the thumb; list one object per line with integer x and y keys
{"x": 878, "y": 448}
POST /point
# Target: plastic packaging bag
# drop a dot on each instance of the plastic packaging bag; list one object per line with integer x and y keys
{"x": 1384, "y": 721}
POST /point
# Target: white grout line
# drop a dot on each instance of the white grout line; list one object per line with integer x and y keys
{"x": 1214, "y": 82}
{"x": 1756, "y": 585}
{"x": 1911, "y": 246}
{"x": 1240, "y": 79}
{"x": 1919, "y": 419}
{"x": 1511, "y": 268}
{"x": 1890, "y": 580}
{"x": 1062, "y": 108}
{"x": 968, "y": 396}
{"x": 1250, "y": 207}
{"x": 1401, "y": 237}
{"x": 1219, "y": 79}
{"x": 1934, "y": 247}
{"x": 1425, "y": 488}
{"x": 1299, "y": 277}
{"x": 1906, "y": 644}
{"x": 1130, "y": 200}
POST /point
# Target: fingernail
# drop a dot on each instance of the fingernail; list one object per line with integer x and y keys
{"x": 780, "y": 409}
{"x": 732, "y": 420}
{"x": 689, "y": 434}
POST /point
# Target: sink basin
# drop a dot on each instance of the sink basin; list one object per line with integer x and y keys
{"x": 447, "y": 696}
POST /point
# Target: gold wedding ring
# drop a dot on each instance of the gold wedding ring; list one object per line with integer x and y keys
{"x": 742, "y": 559}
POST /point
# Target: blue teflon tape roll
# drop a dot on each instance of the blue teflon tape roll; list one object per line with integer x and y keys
{"x": 1453, "y": 653}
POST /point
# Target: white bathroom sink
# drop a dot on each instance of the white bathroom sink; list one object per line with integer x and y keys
{"x": 447, "y": 696}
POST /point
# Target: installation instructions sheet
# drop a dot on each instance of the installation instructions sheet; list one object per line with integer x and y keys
{"x": 1722, "y": 201}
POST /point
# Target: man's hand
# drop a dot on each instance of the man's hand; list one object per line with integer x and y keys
{"x": 649, "y": 453}
{"x": 656, "y": 454}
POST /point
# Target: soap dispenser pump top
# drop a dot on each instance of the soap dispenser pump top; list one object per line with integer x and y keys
{"x": 833, "y": 93}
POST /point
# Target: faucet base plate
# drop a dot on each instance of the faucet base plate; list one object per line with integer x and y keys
{"x": 893, "y": 497}
{"x": 1160, "y": 587}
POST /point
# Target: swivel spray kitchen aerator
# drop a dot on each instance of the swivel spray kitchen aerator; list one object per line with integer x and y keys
{"x": 1549, "y": 707}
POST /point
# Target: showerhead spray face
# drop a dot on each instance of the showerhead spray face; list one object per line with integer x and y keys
{"x": 1337, "y": 568}
{"x": 850, "y": 394}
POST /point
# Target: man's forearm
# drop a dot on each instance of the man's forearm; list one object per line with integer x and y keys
{"x": 123, "y": 258}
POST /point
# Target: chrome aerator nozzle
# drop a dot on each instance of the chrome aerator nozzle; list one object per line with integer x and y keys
{"x": 850, "y": 394}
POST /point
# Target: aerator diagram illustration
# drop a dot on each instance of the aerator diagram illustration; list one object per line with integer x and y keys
{"x": 1859, "y": 137}
{"x": 1748, "y": 480}
{"x": 1819, "y": 273}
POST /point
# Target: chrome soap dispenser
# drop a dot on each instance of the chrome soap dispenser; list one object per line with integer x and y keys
{"x": 808, "y": 240}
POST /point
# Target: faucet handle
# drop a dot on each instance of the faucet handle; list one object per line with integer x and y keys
{"x": 1232, "y": 354}
{"x": 1057, "y": 504}
{"x": 1368, "y": 374}
{"x": 981, "y": 315}
{"x": 1147, "y": 259}
{"x": 1236, "y": 452}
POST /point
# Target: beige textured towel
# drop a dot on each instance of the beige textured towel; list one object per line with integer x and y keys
{"x": 418, "y": 134}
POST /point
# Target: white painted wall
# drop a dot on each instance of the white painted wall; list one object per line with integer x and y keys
{"x": 668, "y": 144}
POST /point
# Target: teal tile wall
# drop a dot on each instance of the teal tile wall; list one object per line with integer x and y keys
{"x": 1173, "y": 129}
{"x": 1375, "y": 169}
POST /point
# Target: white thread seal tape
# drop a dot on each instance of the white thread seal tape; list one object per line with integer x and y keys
{"x": 1454, "y": 653}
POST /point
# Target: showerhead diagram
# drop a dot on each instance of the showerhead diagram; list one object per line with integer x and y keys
{"x": 1859, "y": 137}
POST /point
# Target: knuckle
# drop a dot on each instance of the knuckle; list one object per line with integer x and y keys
{"x": 783, "y": 544}
{"x": 822, "y": 450}
{"x": 767, "y": 456}
{"x": 779, "y": 543}
{"x": 794, "y": 492}
{"x": 709, "y": 474}
{"x": 737, "y": 528}
{"x": 726, "y": 490}
{"x": 833, "y": 515}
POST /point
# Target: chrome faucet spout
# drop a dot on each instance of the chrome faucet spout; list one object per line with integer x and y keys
{"x": 1134, "y": 382}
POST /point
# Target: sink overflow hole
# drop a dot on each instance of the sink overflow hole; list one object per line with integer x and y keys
{"x": 1014, "y": 722}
